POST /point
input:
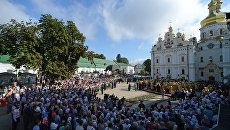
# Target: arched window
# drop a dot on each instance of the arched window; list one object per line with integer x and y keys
{"x": 168, "y": 71}
{"x": 201, "y": 59}
{"x": 211, "y": 33}
{"x": 157, "y": 61}
{"x": 221, "y": 31}
{"x": 182, "y": 59}
{"x": 182, "y": 71}
{"x": 203, "y": 35}
{"x": 201, "y": 74}
{"x": 168, "y": 59}
{"x": 221, "y": 58}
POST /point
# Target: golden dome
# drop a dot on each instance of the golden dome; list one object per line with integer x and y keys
{"x": 183, "y": 36}
{"x": 170, "y": 29}
{"x": 212, "y": 4}
{"x": 215, "y": 16}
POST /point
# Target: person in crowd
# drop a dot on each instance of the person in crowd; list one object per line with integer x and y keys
{"x": 163, "y": 93}
{"x": 37, "y": 125}
{"x": 129, "y": 87}
{"x": 141, "y": 106}
{"x": 15, "y": 117}
{"x": 70, "y": 105}
{"x": 80, "y": 126}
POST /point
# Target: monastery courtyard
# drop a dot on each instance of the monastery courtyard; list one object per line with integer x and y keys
{"x": 120, "y": 91}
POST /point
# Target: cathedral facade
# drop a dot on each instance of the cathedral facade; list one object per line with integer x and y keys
{"x": 174, "y": 57}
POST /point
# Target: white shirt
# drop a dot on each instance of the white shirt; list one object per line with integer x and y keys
{"x": 90, "y": 128}
{"x": 17, "y": 96}
{"x": 79, "y": 127}
{"x": 53, "y": 126}
{"x": 126, "y": 126}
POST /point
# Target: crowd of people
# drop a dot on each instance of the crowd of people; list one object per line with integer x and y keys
{"x": 73, "y": 105}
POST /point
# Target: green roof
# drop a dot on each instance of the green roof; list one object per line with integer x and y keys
{"x": 98, "y": 63}
{"x": 83, "y": 62}
{"x": 4, "y": 58}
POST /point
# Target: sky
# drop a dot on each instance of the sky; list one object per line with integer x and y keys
{"x": 111, "y": 27}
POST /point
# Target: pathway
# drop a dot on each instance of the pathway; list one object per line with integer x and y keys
{"x": 122, "y": 91}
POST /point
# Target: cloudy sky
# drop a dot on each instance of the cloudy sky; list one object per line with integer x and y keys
{"x": 111, "y": 27}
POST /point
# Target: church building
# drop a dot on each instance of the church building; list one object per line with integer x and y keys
{"x": 174, "y": 57}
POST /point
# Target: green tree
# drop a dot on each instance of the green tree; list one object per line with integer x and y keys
{"x": 61, "y": 46}
{"x": 122, "y": 59}
{"x": 49, "y": 46}
{"x": 20, "y": 42}
{"x": 100, "y": 56}
{"x": 118, "y": 58}
{"x": 90, "y": 55}
{"x": 147, "y": 64}
{"x": 142, "y": 72}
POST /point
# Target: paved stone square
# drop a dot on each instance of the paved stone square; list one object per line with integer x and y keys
{"x": 122, "y": 91}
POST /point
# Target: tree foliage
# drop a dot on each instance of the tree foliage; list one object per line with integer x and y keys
{"x": 50, "y": 46}
{"x": 100, "y": 56}
{"x": 147, "y": 64}
{"x": 122, "y": 59}
{"x": 118, "y": 58}
{"x": 20, "y": 41}
{"x": 143, "y": 72}
{"x": 92, "y": 54}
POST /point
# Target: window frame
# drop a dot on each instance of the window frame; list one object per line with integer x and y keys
{"x": 182, "y": 58}
{"x": 182, "y": 71}
{"x": 169, "y": 71}
{"x": 202, "y": 74}
{"x": 211, "y": 33}
{"x": 221, "y": 58}
{"x": 221, "y": 31}
{"x": 201, "y": 59}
